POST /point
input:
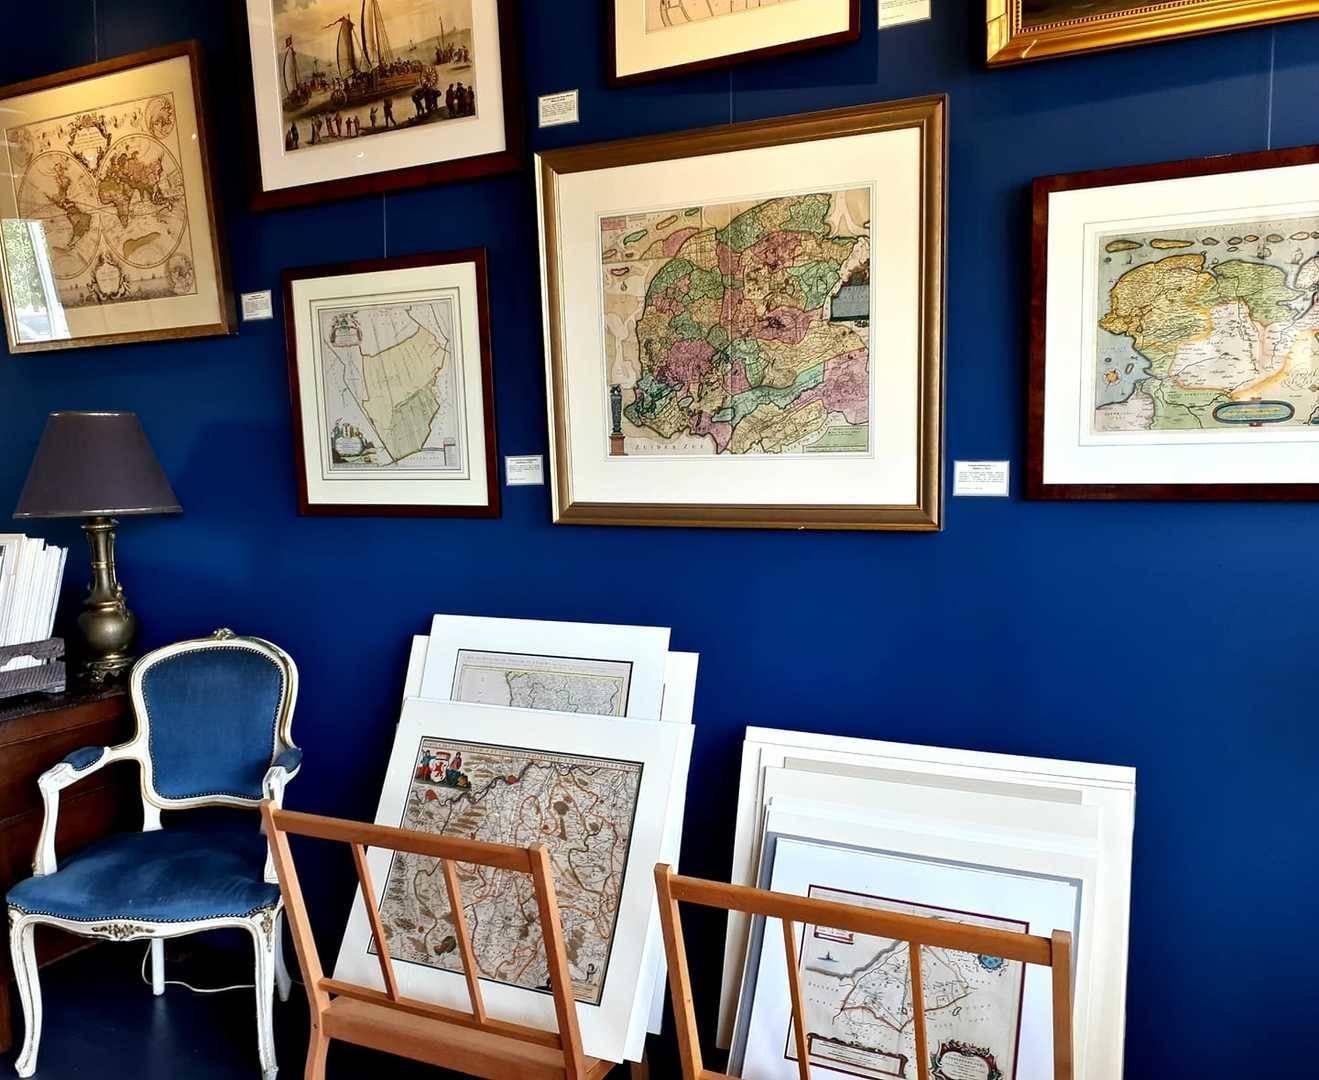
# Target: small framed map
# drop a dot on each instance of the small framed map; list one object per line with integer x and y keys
{"x": 738, "y": 349}
{"x": 651, "y": 39}
{"x": 391, "y": 386}
{"x": 108, "y": 226}
{"x": 1036, "y": 29}
{"x": 1175, "y": 348}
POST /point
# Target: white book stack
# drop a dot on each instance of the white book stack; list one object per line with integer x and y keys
{"x": 31, "y": 573}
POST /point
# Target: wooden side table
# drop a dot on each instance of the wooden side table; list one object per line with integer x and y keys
{"x": 35, "y": 733}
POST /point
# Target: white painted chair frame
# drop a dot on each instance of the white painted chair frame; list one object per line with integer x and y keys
{"x": 265, "y": 925}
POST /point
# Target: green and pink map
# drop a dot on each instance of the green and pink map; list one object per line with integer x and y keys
{"x": 739, "y": 328}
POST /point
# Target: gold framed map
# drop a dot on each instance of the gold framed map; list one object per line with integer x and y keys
{"x": 740, "y": 352}
{"x": 108, "y": 228}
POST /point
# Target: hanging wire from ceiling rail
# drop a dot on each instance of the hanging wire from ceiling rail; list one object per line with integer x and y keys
{"x": 1273, "y": 56}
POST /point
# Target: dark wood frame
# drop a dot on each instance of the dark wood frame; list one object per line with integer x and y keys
{"x": 928, "y": 117}
{"x": 1042, "y": 188}
{"x": 1009, "y": 42}
{"x": 224, "y": 289}
{"x": 510, "y": 159}
{"x": 842, "y": 37}
{"x": 491, "y": 508}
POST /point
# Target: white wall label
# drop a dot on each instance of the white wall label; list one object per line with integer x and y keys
{"x": 556, "y": 109}
{"x": 900, "y": 12}
{"x": 983, "y": 478}
{"x": 257, "y": 305}
{"x": 524, "y": 471}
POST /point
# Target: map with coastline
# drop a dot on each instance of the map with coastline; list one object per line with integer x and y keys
{"x": 739, "y": 328}
{"x": 555, "y": 683}
{"x": 1213, "y": 328}
{"x": 581, "y": 808}
{"x": 392, "y": 387}
{"x": 107, "y": 188}
{"x": 859, "y": 1013}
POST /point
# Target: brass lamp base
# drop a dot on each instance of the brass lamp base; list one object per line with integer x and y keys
{"x": 106, "y": 628}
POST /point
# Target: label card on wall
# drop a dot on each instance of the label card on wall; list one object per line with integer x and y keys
{"x": 257, "y": 305}
{"x": 525, "y": 470}
{"x": 901, "y": 12}
{"x": 982, "y": 478}
{"x": 556, "y": 109}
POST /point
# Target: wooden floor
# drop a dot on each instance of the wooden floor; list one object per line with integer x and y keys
{"x": 102, "y": 1022}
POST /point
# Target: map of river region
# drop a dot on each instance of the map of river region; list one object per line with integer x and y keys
{"x": 1209, "y": 329}
{"x": 109, "y": 192}
{"x": 581, "y": 808}
{"x": 392, "y": 388}
{"x": 556, "y": 683}
{"x": 856, "y": 994}
{"x": 739, "y": 328}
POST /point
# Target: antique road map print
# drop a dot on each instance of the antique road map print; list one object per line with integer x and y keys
{"x": 1208, "y": 329}
{"x": 393, "y": 387}
{"x": 662, "y": 14}
{"x": 856, "y": 993}
{"x": 740, "y": 328}
{"x": 581, "y": 808}
{"x": 107, "y": 187}
{"x": 348, "y": 72}
{"x": 555, "y": 683}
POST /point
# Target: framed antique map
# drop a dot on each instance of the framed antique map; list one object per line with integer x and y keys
{"x": 1176, "y": 314}
{"x": 738, "y": 349}
{"x": 377, "y": 95}
{"x": 650, "y": 39}
{"x": 391, "y": 386}
{"x": 597, "y": 792}
{"x": 108, "y": 226}
{"x": 1037, "y": 29}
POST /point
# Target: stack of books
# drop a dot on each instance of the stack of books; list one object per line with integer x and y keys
{"x": 31, "y": 572}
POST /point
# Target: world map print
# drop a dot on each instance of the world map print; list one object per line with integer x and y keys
{"x": 582, "y": 810}
{"x": 739, "y": 328}
{"x": 858, "y": 1008}
{"x": 555, "y": 683}
{"x": 663, "y": 14}
{"x": 109, "y": 192}
{"x": 391, "y": 387}
{"x": 1209, "y": 329}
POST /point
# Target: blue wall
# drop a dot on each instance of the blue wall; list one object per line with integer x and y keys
{"x": 1173, "y": 638}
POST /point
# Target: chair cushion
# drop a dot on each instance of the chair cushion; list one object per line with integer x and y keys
{"x": 169, "y": 875}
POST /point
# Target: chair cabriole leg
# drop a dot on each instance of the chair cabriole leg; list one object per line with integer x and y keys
{"x": 23, "y": 955}
{"x": 263, "y": 941}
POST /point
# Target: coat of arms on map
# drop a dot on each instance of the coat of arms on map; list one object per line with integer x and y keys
{"x": 389, "y": 368}
{"x": 732, "y": 342}
{"x": 650, "y": 39}
{"x": 107, "y": 222}
{"x": 1176, "y": 341}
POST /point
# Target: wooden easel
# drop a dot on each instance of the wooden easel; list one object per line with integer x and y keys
{"x": 472, "y": 1042}
{"x": 1052, "y": 952}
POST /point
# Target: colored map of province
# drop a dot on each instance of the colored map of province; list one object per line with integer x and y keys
{"x": 580, "y": 808}
{"x": 401, "y": 399}
{"x": 1191, "y": 343}
{"x": 752, "y": 337}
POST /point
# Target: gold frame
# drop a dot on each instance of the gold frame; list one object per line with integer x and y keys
{"x": 1011, "y": 43}
{"x": 928, "y": 116}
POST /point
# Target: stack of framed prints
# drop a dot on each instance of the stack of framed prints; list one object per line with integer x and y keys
{"x": 729, "y": 344}
{"x": 109, "y": 231}
{"x": 1016, "y": 843}
{"x": 391, "y": 386}
{"x": 1036, "y": 29}
{"x": 1175, "y": 311}
{"x": 571, "y": 735}
{"x": 650, "y": 39}
{"x": 390, "y": 94}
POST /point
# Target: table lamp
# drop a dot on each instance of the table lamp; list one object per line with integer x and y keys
{"x": 98, "y": 465}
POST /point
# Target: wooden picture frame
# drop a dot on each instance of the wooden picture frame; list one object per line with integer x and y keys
{"x": 461, "y": 285}
{"x": 357, "y": 174}
{"x": 120, "y": 281}
{"x": 1279, "y": 471}
{"x": 763, "y": 44}
{"x": 587, "y": 191}
{"x": 1012, "y": 39}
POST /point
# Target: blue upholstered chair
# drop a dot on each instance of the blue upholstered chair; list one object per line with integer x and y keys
{"x": 214, "y": 720}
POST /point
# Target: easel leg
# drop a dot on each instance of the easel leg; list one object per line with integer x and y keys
{"x": 317, "y": 1052}
{"x": 641, "y": 1069}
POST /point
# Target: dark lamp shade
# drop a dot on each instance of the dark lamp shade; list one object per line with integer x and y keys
{"x": 95, "y": 464}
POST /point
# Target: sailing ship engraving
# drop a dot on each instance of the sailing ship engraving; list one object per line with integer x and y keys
{"x": 341, "y": 76}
